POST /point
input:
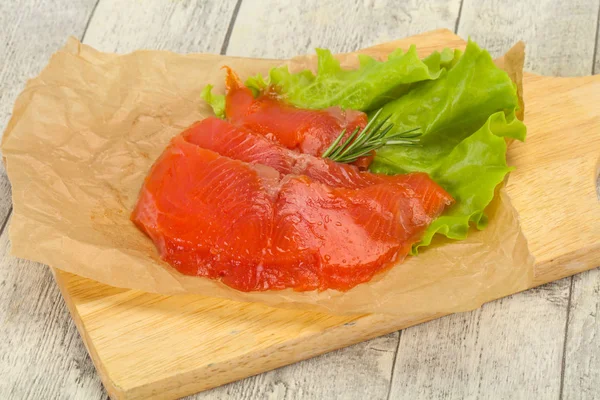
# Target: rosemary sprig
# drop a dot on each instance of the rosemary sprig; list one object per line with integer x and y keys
{"x": 372, "y": 137}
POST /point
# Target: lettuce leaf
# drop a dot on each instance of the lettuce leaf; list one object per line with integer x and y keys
{"x": 216, "y": 101}
{"x": 469, "y": 171}
{"x": 369, "y": 87}
{"x": 464, "y": 116}
{"x": 456, "y": 104}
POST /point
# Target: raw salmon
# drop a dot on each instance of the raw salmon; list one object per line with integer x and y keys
{"x": 242, "y": 144}
{"x": 307, "y": 131}
{"x": 221, "y": 204}
{"x": 239, "y": 143}
{"x": 205, "y": 213}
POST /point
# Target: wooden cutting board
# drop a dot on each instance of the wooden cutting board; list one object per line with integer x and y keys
{"x": 151, "y": 346}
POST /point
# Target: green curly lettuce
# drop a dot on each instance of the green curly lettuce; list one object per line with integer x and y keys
{"x": 464, "y": 116}
{"x": 369, "y": 87}
{"x": 470, "y": 171}
{"x": 216, "y": 101}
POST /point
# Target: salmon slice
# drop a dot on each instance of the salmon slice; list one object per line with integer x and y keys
{"x": 255, "y": 227}
{"x": 306, "y": 131}
{"x": 242, "y": 144}
{"x": 342, "y": 237}
{"x": 205, "y": 213}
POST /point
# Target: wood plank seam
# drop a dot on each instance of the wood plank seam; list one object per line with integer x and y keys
{"x": 460, "y": 7}
{"x": 596, "y": 41}
{"x": 391, "y": 382}
{"x": 397, "y": 343}
{"x": 5, "y": 223}
{"x": 569, "y": 301}
{"x": 109, "y": 385}
{"x": 87, "y": 25}
{"x": 389, "y": 391}
{"x": 566, "y": 335}
{"x": 236, "y": 10}
{"x": 224, "y": 52}
{"x": 42, "y": 354}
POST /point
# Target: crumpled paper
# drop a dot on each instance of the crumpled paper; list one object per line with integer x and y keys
{"x": 85, "y": 133}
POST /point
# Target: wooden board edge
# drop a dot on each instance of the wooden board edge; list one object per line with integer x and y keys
{"x": 114, "y": 391}
{"x": 569, "y": 264}
{"x": 302, "y": 347}
{"x": 193, "y": 381}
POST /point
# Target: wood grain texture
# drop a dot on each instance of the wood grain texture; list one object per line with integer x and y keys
{"x": 179, "y": 25}
{"x": 559, "y": 33}
{"x": 276, "y": 29}
{"x": 142, "y": 347}
{"x": 358, "y": 372}
{"x": 581, "y": 358}
{"x": 5, "y": 195}
{"x": 562, "y": 236}
{"x": 508, "y": 349}
{"x": 41, "y": 353}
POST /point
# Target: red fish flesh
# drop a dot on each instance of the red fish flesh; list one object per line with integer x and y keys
{"x": 257, "y": 218}
{"x": 241, "y": 144}
{"x": 307, "y": 131}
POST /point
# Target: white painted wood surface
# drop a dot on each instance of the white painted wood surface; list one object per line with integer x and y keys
{"x": 358, "y": 372}
{"x": 283, "y": 29}
{"x": 582, "y": 355}
{"x": 559, "y": 33}
{"x": 511, "y": 348}
{"x": 178, "y": 25}
{"x": 537, "y": 344}
{"x": 41, "y": 353}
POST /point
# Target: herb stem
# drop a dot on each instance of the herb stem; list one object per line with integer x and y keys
{"x": 372, "y": 137}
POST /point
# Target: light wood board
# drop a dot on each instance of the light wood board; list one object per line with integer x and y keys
{"x": 147, "y": 345}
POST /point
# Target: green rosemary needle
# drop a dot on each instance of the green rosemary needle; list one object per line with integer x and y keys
{"x": 372, "y": 137}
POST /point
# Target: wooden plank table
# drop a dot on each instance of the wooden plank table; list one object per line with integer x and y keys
{"x": 537, "y": 344}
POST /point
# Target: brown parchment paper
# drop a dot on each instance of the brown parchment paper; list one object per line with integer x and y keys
{"x": 84, "y": 134}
